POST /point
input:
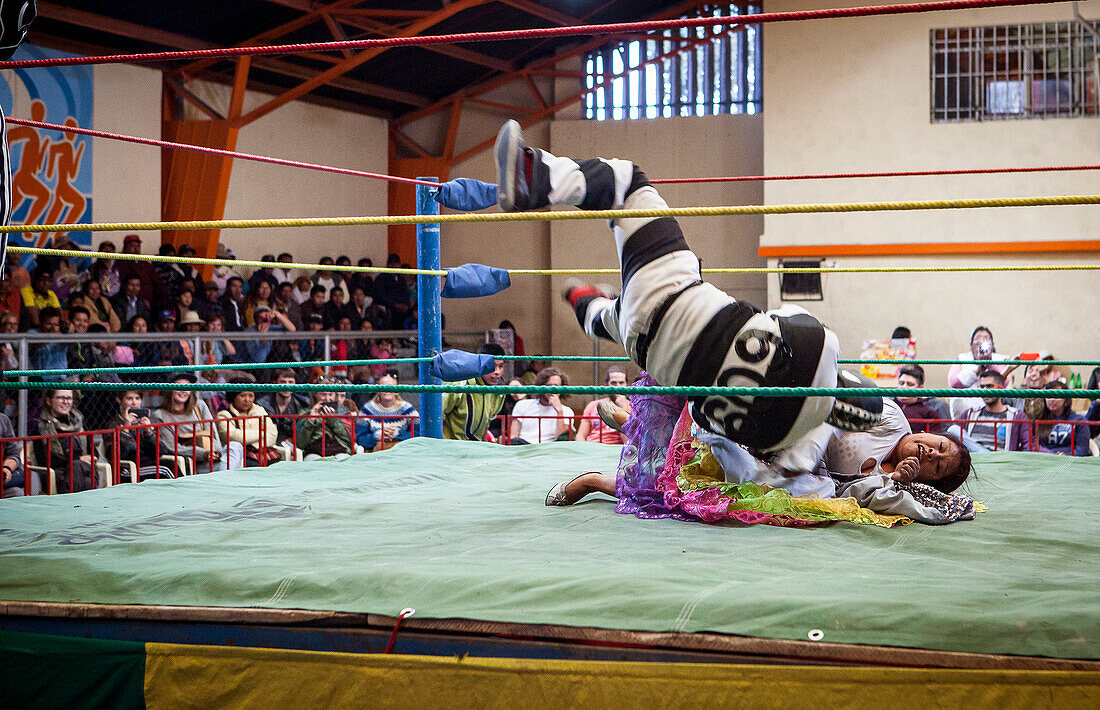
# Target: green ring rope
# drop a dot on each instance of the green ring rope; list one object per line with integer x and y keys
{"x": 544, "y": 389}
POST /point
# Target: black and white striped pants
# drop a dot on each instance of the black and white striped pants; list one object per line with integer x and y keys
{"x": 685, "y": 331}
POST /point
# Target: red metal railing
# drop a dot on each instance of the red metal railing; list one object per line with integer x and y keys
{"x": 262, "y": 424}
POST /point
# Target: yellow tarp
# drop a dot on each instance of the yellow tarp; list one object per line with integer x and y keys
{"x": 183, "y": 676}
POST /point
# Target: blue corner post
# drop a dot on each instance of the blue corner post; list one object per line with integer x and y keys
{"x": 430, "y": 310}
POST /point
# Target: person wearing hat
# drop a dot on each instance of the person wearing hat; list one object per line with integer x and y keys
{"x": 170, "y": 352}
{"x": 152, "y": 288}
{"x": 188, "y": 270}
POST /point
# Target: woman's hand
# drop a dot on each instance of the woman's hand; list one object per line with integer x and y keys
{"x": 907, "y": 470}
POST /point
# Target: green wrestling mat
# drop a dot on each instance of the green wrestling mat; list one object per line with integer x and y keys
{"x": 459, "y": 530}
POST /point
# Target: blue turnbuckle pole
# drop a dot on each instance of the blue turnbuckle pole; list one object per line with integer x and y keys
{"x": 430, "y": 311}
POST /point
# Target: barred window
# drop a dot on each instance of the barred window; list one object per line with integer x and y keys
{"x": 1041, "y": 70}
{"x": 691, "y": 71}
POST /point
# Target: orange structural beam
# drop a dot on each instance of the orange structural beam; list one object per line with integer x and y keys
{"x": 909, "y": 249}
{"x": 402, "y": 200}
{"x": 195, "y": 185}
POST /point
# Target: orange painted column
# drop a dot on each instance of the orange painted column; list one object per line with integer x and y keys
{"x": 194, "y": 185}
{"x": 402, "y": 200}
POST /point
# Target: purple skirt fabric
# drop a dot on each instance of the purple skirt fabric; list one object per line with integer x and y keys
{"x": 649, "y": 431}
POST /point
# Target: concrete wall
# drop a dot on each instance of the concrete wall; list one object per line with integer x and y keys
{"x": 306, "y": 132}
{"x": 126, "y": 177}
{"x": 853, "y": 95}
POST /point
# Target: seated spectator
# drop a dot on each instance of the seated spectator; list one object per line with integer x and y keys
{"x": 145, "y": 352}
{"x": 257, "y": 433}
{"x": 312, "y": 350}
{"x": 191, "y": 324}
{"x": 501, "y": 423}
{"x": 67, "y": 279}
{"x": 380, "y": 349}
{"x": 132, "y": 413}
{"x": 918, "y": 408}
{"x": 80, "y": 355}
{"x": 59, "y": 415}
{"x": 258, "y": 295}
{"x": 37, "y": 296}
{"x": 360, "y": 307}
{"x": 190, "y": 273}
{"x": 466, "y": 415}
{"x": 519, "y": 366}
{"x": 392, "y": 292}
{"x": 972, "y": 365}
{"x": 1036, "y": 377}
{"x": 286, "y": 404}
{"x": 184, "y": 304}
{"x": 216, "y": 352}
{"x": 592, "y": 428}
{"x": 99, "y": 307}
{"x": 282, "y": 273}
{"x": 329, "y": 279}
{"x": 109, "y": 353}
{"x": 11, "y": 300}
{"x": 170, "y": 275}
{"x": 152, "y": 288}
{"x": 50, "y": 356}
{"x": 315, "y": 306}
{"x": 232, "y": 303}
{"x": 208, "y": 305}
{"x": 1094, "y": 409}
{"x": 545, "y": 418}
{"x": 285, "y": 303}
{"x": 224, "y": 272}
{"x": 195, "y": 436}
{"x": 302, "y": 289}
{"x": 128, "y": 303}
{"x": 391, "y": 418}
{"x": 337, "y": 308}
{"x": 9, "y": 325}
{"x": 14, "y": 481}
{"x": 328, "y": 430}
{"x": 1056, "y": 429}
{"x": 261, "y": 349}
{"x": 265, "y": 274}
{"x": 1009, "y": 429}
{"x": 170, "y": 352}
{"x": 105, "y": 271}
{"x": 362, "y": 280}
{"x": 343, "y": 348}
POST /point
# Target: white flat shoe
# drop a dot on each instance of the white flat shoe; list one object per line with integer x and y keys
{"x": 556, "y": 496}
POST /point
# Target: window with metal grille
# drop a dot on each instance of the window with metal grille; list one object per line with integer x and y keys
{"x": 691, "y": 71}
{"x": 1041, "y": 70}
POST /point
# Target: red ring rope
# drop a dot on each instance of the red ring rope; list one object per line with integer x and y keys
{"x": 568, "y": 31}
{"x": 217, "y": 151}
{"x": 428, "y": 183}
{"x": 899, "y": 173}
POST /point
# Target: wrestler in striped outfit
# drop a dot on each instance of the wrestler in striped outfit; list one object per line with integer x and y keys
{"x": 680, "y": 329}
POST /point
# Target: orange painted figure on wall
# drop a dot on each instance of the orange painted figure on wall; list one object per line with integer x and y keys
{"x": 66, "y": 163}
{"x": 25, "y": 184}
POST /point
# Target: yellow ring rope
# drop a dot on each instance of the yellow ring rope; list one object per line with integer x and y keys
{"x": 723, "y": 211}
{"x": 556, "y": 272}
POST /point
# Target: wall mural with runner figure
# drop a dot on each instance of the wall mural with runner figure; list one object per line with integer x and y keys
{"x": 51, "y": 173}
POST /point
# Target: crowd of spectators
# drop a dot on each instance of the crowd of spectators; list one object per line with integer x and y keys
{"x": 102, "y": 293}
{"x": 165, "y": 433}
{"x": 990, "y": 422}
